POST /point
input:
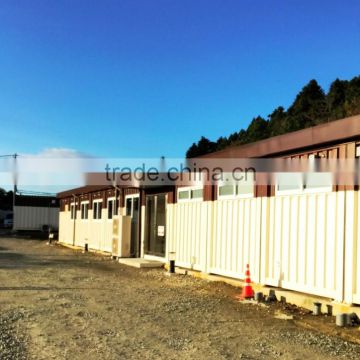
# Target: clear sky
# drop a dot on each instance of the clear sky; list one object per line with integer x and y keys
{"x": 122, "y": 78}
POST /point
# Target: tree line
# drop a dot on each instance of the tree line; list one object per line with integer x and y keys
{"x": 6, "y": 199}
{"x": 312, "y": 106}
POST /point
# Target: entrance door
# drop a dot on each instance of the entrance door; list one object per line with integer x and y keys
{"x": 133, "y": 209}
{"x": 155, "y": 225}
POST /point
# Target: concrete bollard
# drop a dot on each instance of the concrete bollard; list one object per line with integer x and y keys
{"x": 341, "y": 319}
{"x": 317, "y": 309}
{"x": 259, "y": 296}
{"x": 272, "y": 296}
{"x": 352, "y": 319}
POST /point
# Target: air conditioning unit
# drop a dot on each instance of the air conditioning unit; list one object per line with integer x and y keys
{"x": 121, "y": 238}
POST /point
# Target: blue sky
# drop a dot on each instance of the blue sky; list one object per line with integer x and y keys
{"x": 145, "y": 78}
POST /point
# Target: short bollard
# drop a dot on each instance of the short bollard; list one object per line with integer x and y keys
{"x": 259, "y": 296}
{"x": 272, "y": 296}
{"x": 86, "y": 248}
{"x": 172, "y": 262}
{"x": 341, "y": 320}
{"x": 329, "y": 309}
{"x": 317, "y": 308}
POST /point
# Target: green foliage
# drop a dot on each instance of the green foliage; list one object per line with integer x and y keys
{"x": 6, "y": 199}
{"x": 204, "y": 146}
{"x": 310, "y": 107}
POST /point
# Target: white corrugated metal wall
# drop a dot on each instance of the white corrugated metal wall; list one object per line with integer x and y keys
{"x": 236, "y": 237}
{"x": 187, "y": 224}
{"x": 292, "y": 241}
{"x": 34, "y": 218}
{"x": 352, "y": 248}
{"x": 304, "y": 246}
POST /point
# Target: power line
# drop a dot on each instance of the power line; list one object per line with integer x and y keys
{"x": 12, "y": 155}
{"x": 34, "y": 193}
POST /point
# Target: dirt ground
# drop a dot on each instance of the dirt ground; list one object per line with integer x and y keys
{"x": 56, "y": 303}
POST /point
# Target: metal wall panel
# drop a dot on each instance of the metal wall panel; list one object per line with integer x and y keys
{"x": 187, "y": 224}
{"x": 33, "y": 218}
{"x": 352, "y": 248}
{"x": 305, "y": 245}
{"x": 236, "y": 237}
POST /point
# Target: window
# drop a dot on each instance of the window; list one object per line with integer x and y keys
{"x": 196, "y": 194}
{"x": 184, "y": 194}
{"x": 188, "y": 194}
{"x": 289, "y": 182}
{"x": 317, "y": 180}
{"x": 128, "y": 207}
{"x": 116, "y": 209}
{"x": 357, "y": 151}
{"x": 84, "y": 210}
{"x": 226, "y": 190}
{"x": 303, "y": 182}
{"x": 113, "y": 206}
{"x": 110, "y": 209}
{"x": 97, "y": 210}
{"x": 72, "y": 211}
{"x": 242, "y": 188}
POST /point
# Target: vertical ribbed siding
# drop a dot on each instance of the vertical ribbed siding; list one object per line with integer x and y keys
{"x": 236, "y": 239}
{"x": 305, "y": 233}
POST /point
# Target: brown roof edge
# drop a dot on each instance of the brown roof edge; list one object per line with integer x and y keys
{"x": 82, "y": 190}
{"x": 331, "y": 132}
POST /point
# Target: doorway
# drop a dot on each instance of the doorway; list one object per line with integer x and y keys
{"x": 155, "y": 238}
{"x": 132, "y": 206}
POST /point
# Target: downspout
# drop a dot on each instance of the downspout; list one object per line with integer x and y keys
{"x": 344, "y": 248}
{"x": 117, "y": 188}
{"x": 74, "y": 220}
{"x": 261, "y": 227}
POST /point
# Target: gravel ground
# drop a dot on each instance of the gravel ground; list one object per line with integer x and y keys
{"x": 60, "y": 304}
{"x": 12, "y": 340}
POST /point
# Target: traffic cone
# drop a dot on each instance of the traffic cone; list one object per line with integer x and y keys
{"x": 247, "y": 290}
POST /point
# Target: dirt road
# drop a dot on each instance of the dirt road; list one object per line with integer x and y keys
{"x": 59, "y": 304}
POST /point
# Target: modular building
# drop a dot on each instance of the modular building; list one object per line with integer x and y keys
{"x": 36, "y": 213}
{"x": 303, "y": 237}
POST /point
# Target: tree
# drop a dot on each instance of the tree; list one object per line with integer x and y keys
{"x": 257, "y": 130}
{"x": 352, "y": 102}
{"x": 204, "y": 146}
{"x": 6, "y": 199}
{"x": 310, "y": 107}
{"x": 277, "y": 122}
{"x": 336, "y": 99}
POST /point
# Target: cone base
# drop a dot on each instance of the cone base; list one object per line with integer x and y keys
{"x": 247, "y": 293}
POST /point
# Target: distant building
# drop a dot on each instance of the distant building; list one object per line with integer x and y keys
{"x": 36, "y": 212}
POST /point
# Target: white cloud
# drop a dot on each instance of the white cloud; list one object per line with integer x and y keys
{"x": 59, "y": 153}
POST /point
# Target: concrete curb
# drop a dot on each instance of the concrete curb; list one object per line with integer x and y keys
{"x": 302, "y": 300}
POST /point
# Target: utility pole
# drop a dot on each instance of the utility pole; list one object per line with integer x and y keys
{"x": 15, "y": 180}
{"x": 14, "y": 156}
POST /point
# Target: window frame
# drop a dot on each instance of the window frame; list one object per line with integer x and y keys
{"x": 190, "y": 190}
{"x": 73, "y": 211}
{"x": 302, "y": 189}
{"x": 297, "y": 191}
{"x": 357, "y": 151}
{"x": 84, "y": 204}
{"x": 97, "y": 215}
{"x": 319, "y": 189}
{"x": 235, "y": 195}
{"x": 115, "y": 208}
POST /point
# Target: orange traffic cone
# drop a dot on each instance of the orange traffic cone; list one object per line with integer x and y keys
{"x": 247, "y": 290}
